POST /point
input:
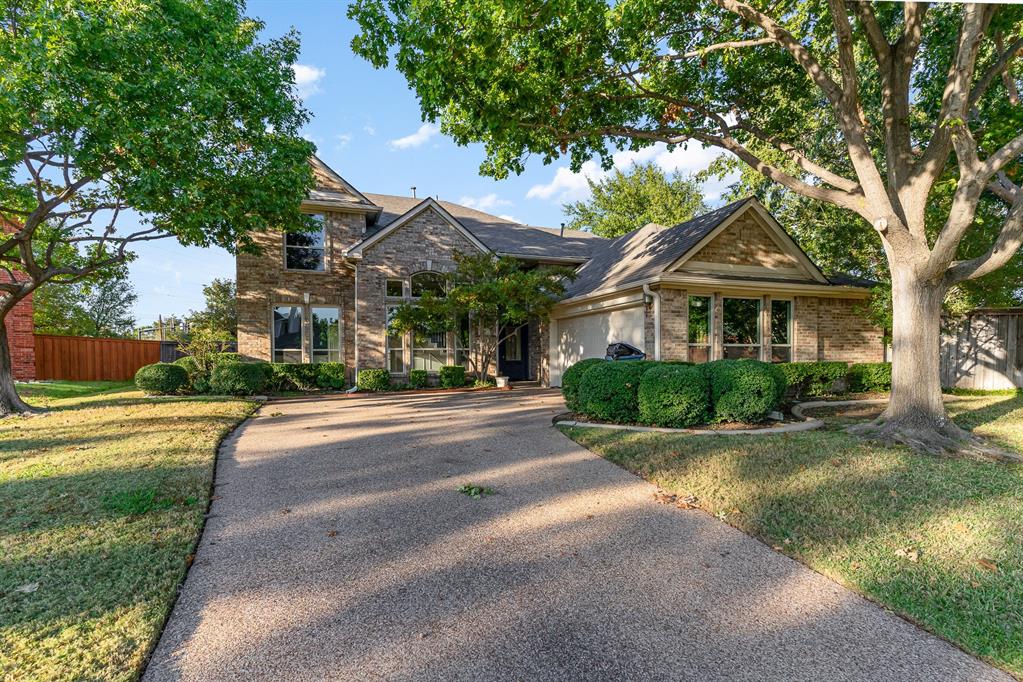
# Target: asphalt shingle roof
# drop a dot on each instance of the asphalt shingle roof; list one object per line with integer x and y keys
{"x": 500, "y": 235}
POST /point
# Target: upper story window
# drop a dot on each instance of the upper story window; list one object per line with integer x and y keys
{"x": 395, "y": 288}
{"x": 305, "y": 250}
{"x": 423, "y": 282}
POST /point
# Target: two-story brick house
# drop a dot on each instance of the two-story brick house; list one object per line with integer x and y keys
{"x": 729, "y": 283}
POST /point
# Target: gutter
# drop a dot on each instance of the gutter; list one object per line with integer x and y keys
{"x": 657, "y": 319}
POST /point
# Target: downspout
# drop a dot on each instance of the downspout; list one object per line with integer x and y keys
{"x": 647, "y": 291}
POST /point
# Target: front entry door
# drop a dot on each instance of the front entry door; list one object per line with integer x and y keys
{"x": 513, "y": 354}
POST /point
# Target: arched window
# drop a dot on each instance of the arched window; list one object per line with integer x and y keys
{"x": 432, "y": 282}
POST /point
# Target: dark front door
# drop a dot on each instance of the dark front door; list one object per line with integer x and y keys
{"x": 513, "y": 354}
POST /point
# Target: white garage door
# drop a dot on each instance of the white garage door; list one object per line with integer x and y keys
{"x": 588, "y": 337}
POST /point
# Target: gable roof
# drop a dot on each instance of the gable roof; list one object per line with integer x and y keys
{"x": 422, "y": 206}
{"x": 647, "y": 252}
{"x": 333, "y": 191}
{"x": 500, "y": 235}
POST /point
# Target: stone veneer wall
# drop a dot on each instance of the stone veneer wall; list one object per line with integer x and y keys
{"x": 263, "y": 282}
{"x": 745, "y": 242}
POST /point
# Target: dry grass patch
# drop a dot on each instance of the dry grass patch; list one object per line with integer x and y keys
{"x": 936, "y": 539}
{"x": 103, "y": 499}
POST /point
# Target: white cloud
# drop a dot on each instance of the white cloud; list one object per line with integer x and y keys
{"x": 342, "y": 140}
{"x": 486, "y": 203}
{"x": 416, "y": 139}
{"x": 307, "y": 79}
{"x": 567, "y": 186}
{"x": 370, "y": 130}
{"x": 510, "y": 218}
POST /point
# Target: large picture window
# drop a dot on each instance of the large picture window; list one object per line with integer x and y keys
{"x": 741, "y": 325}
{"x": 781, "y": 331}
{"x": 305, "y": 250}
{"x": 395, "y": 346}
{"x": 326, "y": 332}
{"x": 429, "y": 351}
{"x": 699, "y": 328}
{"x": 287, "y": 333}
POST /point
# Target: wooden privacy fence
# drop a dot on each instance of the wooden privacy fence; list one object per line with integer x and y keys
{"x": 984, "y": 350}
{"x": 81, "y": 358}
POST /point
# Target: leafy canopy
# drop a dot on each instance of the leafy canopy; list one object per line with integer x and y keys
{"x": 221, "y": 312}
{"x": 100, "y": 307}
{"x": 626, "y": 200}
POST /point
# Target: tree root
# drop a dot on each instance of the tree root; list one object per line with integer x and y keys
{"x": 945, "y": 439}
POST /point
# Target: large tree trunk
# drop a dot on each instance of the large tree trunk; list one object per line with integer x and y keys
{"x": 10, "y": 401}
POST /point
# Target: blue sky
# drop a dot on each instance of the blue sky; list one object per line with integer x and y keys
{"x": 367, "y": 126}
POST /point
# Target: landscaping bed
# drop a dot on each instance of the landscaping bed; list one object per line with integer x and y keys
{"x": 104, "y": 499}
{"x": 936, "y": 539}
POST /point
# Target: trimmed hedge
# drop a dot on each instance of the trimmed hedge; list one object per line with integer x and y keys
{"x": 240, "y": 378}
{"x": 743, "y": 390}
{"x": 609, "y": 391}
{"x": 674, "y": 395}
{"x": 330, "y": 375}
{"x": 374, "y": 380}
{"x": 161, "y": 378}
{"x": 570, "y": 381}
{"x": 814, "y": 378}
{"x": 867, "y": 377}
{"x": 292, "y": 376}
{"x": 452, "y": 376}
{"x": 418, "y": 378}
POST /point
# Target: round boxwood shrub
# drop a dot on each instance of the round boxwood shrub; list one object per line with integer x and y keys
{"x": 189, "y": 363}
{"x": 869, "y": 377}
{"x": 814, "y": 378}
{"x": 418, "y": 378}
{"x": 291, "y": 376}
{"x": 452, "y": 376}
{"x": 570, "y": 381}
{"x": 240, "y": 378}
{"x": 330, "y": 375}
{"x": 674, "y": 395}
{"x": 374, "y": 380}
{"x": 161, "y": 378}
{"x": 609, "y": 391}
{"x": 743, "y": 390}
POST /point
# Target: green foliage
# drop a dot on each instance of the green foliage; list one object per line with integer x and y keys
{"x": 493, "y": 293}
{"x": 743, "y": 390}
{"x": 418, "y": 378}
{"x": 814, "y": 378}
{"x": 221, "y": 311}
{"x": 294, "y": 376}
{"x": 161, "y": 378}
{"x": 330, "y": 375}
{"x": 137, "y": 502}
{"x": 372, "y": 380}
{"x": 205, "y": 346}
{"x": 475, "y": 491}
{"x": 452, "y": 376}
{"x": 869, "y": 377}
{"x": 609, "y": 391}
{"x": 100, "y": 307}
{"x": 674, "y": 395}
{"x": 570, "y": 381}
{"x": 240, "y": 378}
{"x": 624, "y": 201}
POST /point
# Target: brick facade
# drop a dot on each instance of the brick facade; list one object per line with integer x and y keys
{"x": 745, "y": 242}
{"x": 21, "y": 341}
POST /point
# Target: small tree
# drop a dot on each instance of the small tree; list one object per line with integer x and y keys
{"x": 498, "y": 296}
{"x": 221, "y": 310}
{"x": 626, "y": 200}
{"x": 204, "y": 344}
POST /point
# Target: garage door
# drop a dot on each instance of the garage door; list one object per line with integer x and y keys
{"x": 588, "y": 337}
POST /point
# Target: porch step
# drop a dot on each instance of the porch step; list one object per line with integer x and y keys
{"x": 524, "y": 384}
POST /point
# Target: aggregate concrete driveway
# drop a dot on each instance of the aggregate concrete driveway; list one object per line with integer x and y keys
{"x": 338, "y": 548}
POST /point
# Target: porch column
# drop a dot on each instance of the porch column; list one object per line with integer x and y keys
{"x": 717, "y": 348}
{"x": 765, "y": 328}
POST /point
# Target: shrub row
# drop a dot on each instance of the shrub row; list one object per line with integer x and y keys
{"x": 231, "y": 376}
{"x": 674, "y": 394}
{"x": 374, "y": 379}
{"x": 835, "y": 378}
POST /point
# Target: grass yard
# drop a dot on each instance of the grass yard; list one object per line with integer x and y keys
{"x": 101, "y": 503}
{"x": 938, "y": 540}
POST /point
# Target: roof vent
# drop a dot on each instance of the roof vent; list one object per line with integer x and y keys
{"x": 562, "y": 229}
{"x": 413, "y": 191}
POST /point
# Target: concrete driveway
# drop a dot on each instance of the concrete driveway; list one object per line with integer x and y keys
{"x": 338, "y": 548}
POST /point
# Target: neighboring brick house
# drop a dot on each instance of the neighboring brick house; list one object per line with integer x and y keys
{"x": 20, "y": 339}
{"x": 730, "y": 283}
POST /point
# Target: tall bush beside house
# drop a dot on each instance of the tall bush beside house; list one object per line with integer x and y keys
{"x": 418, "y": 378}
{"x": 609, "y": 391}
{"x": 330, "y": 375}
{"x": 452, "y": 376}
{"x": 372, "y": 380}
{"x": 676, "y": 396}
{"x": 161, "y": 378}
{"x": 743, "y": 390}
{"x": 869, "y": 377}
{"x": 294, "y": 376}
{"x": 570, "y": 381}
{"x": 240, "y": 378}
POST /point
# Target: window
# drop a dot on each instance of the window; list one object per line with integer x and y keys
{"x": 429, "y": 351}
{"x": 304, "y": 250}
{"x": 427, "y": 282}
{"x": 781, "y": 331}
{"x": 326, "y": 329}
{"x": 699, "y": 328}
{"x": 741, "y": 326}
{"x": 395, "y": 288}
{"x": 463, "y": 343}
{"x": 287, "y": 333}
{"x": 395, "y": 346}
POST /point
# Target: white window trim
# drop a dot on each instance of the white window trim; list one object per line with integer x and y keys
{"x": 791, "y": 330}
{"x": 340, "y": 332}
{"x": 273, "y": 336}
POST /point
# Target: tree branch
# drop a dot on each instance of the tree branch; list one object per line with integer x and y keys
{"x": 1008, "y": 243}
{"x": 999, "y": 67}
{"x": 728, "y": 45}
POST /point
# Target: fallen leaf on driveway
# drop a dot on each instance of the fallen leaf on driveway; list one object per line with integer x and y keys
{"x": 331, "y": 533}
{"x": 988, "y": 565}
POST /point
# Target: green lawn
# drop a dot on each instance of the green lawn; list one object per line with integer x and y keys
{"x": 939, "y": 540}
{"x": 101, "y": 502}
{"x": 44, "y": 393}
